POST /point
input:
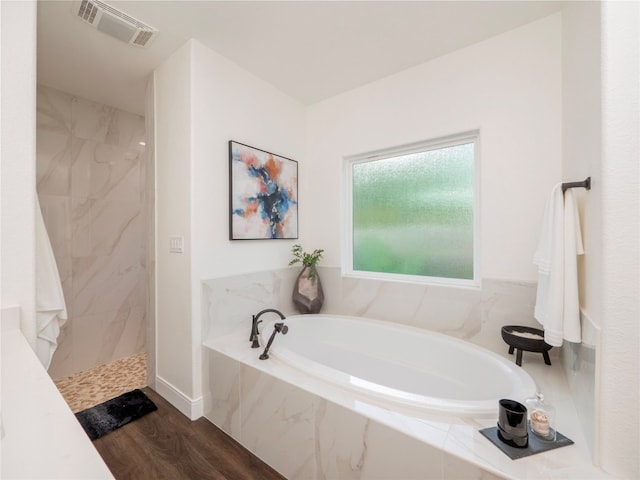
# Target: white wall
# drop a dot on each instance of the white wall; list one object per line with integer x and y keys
{"x": 508, "y": 86}
{"x": 203, "y": 101}
{"x": 620, "y": 370}
{"x": 174, "y": 324}
{"x": 231, "y": 104}
{"x": 581, "y": 151}
{"x": 18, "y": 97}
{"x": 581, "y": 138}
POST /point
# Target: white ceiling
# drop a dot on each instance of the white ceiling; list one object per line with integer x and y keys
{"x": 310, "y": 50}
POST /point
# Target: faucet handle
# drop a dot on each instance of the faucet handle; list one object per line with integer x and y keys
{"x": 281, "y": 328}
{"x": 253, "y": 338}
{"x": 253, "y": 328}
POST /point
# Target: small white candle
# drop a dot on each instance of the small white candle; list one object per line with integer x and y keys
{"x": 540, "y": 423}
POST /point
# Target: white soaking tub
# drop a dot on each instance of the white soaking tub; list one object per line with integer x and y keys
{"x": 399, "y": 363}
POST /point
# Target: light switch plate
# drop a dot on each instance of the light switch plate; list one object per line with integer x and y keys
{"x": 176, "y": 244}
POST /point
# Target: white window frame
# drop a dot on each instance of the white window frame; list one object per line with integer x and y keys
{"x": 347, "y": 216}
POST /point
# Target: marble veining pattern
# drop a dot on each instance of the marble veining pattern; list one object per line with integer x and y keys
{"x": 223, "y": 383}
{"x": 276, "y": 423}
{"x": 91, "y": 177}
{"x": 354, "y": 447}
{"x": 475, "y": 315}
{"x": 53, "y": 143}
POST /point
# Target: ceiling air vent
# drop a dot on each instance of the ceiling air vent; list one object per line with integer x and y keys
{"x": 114, "y": 22}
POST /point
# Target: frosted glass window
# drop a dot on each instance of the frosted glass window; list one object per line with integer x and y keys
{"x": 413, "y": 214}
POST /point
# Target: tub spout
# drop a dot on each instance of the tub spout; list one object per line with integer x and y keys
{"x": 255, "y": 320}
{"x": 279, "y": 327}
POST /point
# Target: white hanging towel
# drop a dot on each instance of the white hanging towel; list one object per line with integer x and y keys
{"x": 51, "y": 311}
{"x": 557, "y": 303}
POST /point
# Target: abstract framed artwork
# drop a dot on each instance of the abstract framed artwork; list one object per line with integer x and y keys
{"x": 263, "y": 194}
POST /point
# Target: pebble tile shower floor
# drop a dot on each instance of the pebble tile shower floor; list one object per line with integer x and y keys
{"x": 92, "y": 387}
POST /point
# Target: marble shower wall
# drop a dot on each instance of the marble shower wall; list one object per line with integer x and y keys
{"x": 91, "y": 183}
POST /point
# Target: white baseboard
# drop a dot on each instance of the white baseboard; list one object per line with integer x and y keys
{"x": 193, "y": 409}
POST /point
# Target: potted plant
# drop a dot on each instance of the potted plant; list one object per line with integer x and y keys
{"x": 307, "y": 296}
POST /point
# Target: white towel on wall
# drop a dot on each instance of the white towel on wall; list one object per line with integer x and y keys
{"x": 557, "y": 303}
{"x": 51, "y": 311}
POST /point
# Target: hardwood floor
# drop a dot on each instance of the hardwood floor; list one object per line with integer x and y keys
{"x": 167, "y": 445}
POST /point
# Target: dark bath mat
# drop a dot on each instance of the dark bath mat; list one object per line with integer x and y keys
{"x": 115, "y": 413}
{"x": 536, "y": 445}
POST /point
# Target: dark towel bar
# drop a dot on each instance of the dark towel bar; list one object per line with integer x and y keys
{"x": 584, "y": 184}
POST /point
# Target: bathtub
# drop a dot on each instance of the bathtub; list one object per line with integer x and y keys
{"x": 400, "y": 364}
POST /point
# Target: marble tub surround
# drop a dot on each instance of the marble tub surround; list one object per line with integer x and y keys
{"x": 229, "y": 302}
{"x": 579, "y": 361}
{"x": 472, "y": 314}
{"x": 104, "y": 382}
{"x": 476, "y": 315}
{"x": 91, "y": 183}
{"x": 324, "y": 432}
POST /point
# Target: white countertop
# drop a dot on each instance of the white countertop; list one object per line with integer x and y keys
{"x": 41, "y": 437}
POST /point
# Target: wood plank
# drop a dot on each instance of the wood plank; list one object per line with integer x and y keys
{"x": 167, "y": 445}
